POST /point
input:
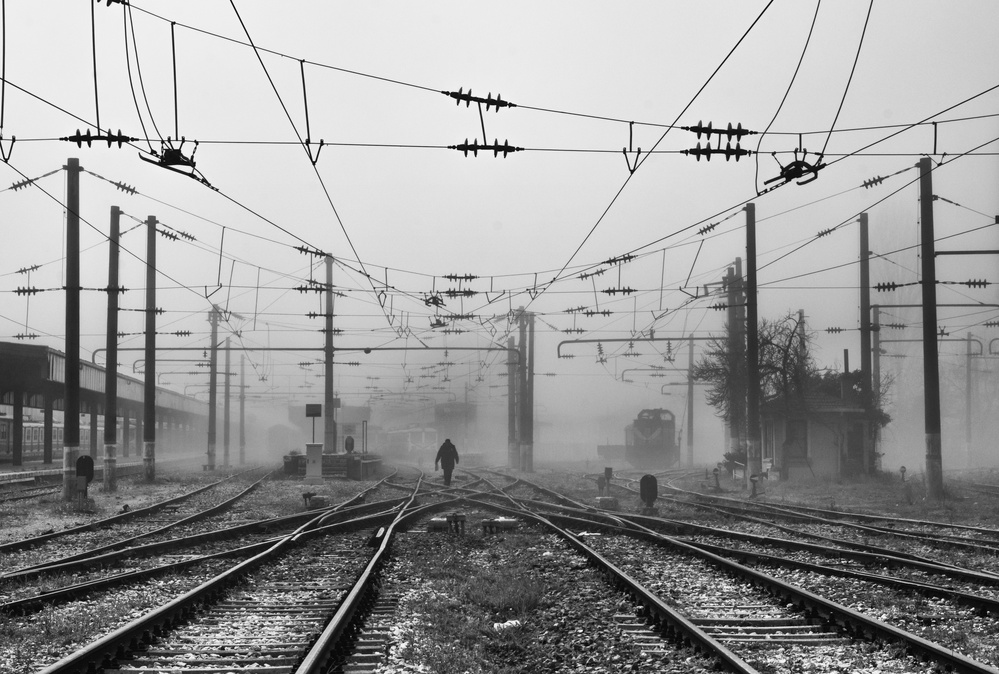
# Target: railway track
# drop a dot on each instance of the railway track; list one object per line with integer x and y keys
{"x": 311, "y": 615}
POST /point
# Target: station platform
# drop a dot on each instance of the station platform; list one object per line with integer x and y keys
{"x": 39, "y": 470}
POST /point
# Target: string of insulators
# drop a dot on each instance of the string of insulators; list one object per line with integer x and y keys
{"x": 824, "y": 232}
{"x": 708, "y": 228}
{"x": 976, "y": 283}
{"x": 475, "y": 146}
{"x": 127, "y": 189}
{"x": 460, "y": 96}
{"x": 707, "y": 151}
{"x": 28, "y": 335}
{"x": 604, "y": 312}
{"x": 895, "y": 326}
{"x": 460, "y": 277}
{"x": 834, "y": 331}
{"x": 615, "y": 291}
{"x": 88, "y": 138}
{"x": 305, "y": 250}
{"x": 738, "y": 131}
{"x": 335, "y": 331}
{"x": 628, "y": 257}
{"x": 463, "y": 317}
{"x": 573, "y": 331}
{"x": 876, "y": 180}
{"x": 316, "y": 314}
{"x": 461, "y": 293}
{"x": 25, "y": 270}
{"x": 586, "y": 275}
{"x": 574, "y": 310}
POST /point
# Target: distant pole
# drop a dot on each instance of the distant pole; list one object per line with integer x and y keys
{"x": 754, "y": 460}
{"x": 741, "y": 381}
{"x": 522, "y": 397}
{"x": 967, "y": 402}
{"x": 512, "y": 446}
{"x": 213, "y": 361}
{"x": 529, "y": 407}
{"x": 71, "y": 413}
{"x": 866, "y": 382}
{"x": 329, "y": 418}
{"x": 225, "y": 410}
{"x": 931, "y": 356}
{"x": 876, "y": 354}
{"x": 111, "y": 369}
{"x": 876, "y": 374}
{"x": 690, "y": 402}
{"x": 734, "y": 358}
{"x": 242, "y": 410}
{"x": 149, "y": 388}
{"x": 865, "y": 309}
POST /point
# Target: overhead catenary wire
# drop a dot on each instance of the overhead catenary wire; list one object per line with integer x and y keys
{"x": 787, "y": 92}
{"x": 849, "y": 80}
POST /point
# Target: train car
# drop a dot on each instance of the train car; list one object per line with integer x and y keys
{"x": 650, "y": 440}
{"x": 33, "y": 440}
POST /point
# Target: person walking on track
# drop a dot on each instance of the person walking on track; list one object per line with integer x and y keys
{"x": 447, "y": 456}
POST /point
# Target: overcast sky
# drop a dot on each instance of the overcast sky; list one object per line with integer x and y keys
{"x": 399, "y": 210}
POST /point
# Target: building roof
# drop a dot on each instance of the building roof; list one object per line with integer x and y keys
{"x": 813, "y": 403}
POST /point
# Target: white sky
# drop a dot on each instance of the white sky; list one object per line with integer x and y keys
{"x": 413, "y": 211}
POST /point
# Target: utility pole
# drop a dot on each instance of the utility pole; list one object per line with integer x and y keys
{"x": 225, "y": 410}
{"x": 111, "y": 369}
{"x": 754, "y": 459}
{"x": 512, "y": 442}
{"x": 931, "y": 365}
{"x": 523, "y": 397}
{"x": 242, "y": 410}
{"x": 149, "y": 388}
{"x": 71, "y": 413}
{"x": 529, "y": 407}
{"x": 876, "y": 373}
{"x": 213, "y": 360}
{"x": 967, "y": 402}
{"x": 690, "y": 403}
{"x": 866, "y": 383}
{"x": 329, "y": 418}
{"x": 735, "y": 351}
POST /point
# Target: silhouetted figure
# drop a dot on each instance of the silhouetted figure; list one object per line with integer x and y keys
{"x": 447, "y": 456}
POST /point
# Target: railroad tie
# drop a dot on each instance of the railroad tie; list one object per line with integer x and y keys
{"x": 645, "y": 639}
{"x": 372, "y": 645}
{"x": 793, "y": 631}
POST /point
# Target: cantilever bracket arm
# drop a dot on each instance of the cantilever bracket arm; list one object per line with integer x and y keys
{"x": 622, "y": 340}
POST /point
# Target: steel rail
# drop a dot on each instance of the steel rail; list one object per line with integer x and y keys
{"x": 173, "y": 544}
{"x": 118, "y": 643}
{"x": 70, "y": 592}
{"x": 125, "y": 542}
{"x": 108, "y": 521}
{"x": 820, "y": 606}
{"x": 673, "y": 623}
{"x": 976, "y": 601}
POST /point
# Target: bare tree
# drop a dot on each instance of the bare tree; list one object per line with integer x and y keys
{"x": 786, "y": 366}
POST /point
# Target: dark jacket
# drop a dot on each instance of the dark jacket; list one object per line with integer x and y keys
{"x": 447, "y": 456}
